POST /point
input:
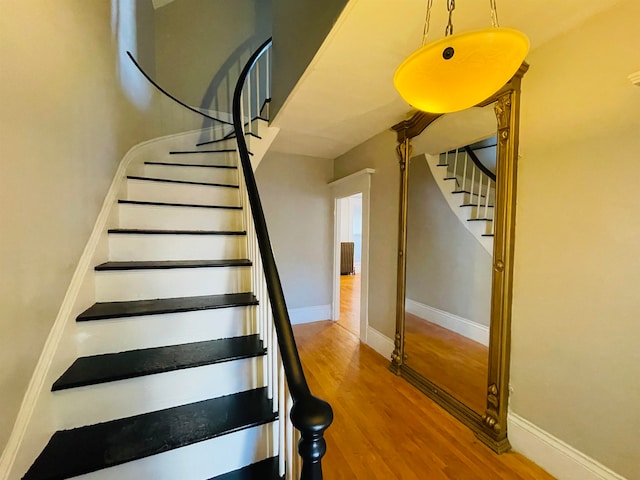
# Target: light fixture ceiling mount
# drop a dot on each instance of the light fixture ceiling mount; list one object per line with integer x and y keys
{"x": 459, "y": 71}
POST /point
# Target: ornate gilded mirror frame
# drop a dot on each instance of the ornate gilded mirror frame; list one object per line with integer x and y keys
{"x": 490, "y": 427}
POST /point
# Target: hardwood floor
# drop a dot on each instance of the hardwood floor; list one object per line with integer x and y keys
{"x": 350, "y": 303}
{"x": 455, "y": 363}
{"x": 385, "y": 429}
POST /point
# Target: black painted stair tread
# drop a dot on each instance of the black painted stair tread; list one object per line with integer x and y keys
{"x": 169, "y": 264}
{"x": 185, "y": 182}
{"x": 94, "y": 447}
{"x": 148, "y": 361}
{"x": 169, "y": 164}
{"x": 476, "y": 205}
{"x": 264, "y": 470}
{"x": 168, "y": 204}
{"x": 147, "y": 231}
{"x": 134, "y": 308}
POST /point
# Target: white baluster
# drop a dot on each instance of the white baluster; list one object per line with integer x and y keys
{"x": 268, "y": 62}
{"x": 464, "y": 173}
{"x": 291, "y": 452}
{"x": 473, "y": 183}
{"x": 479, "y": 201}
{"x": 455, "y": 170}
{"x": 282, "y": 420}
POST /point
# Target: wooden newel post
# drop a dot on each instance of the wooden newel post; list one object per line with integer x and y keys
{"x": 311, "y": 416}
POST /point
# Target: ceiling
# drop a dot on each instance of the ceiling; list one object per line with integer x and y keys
{"x": 346, "y": 95}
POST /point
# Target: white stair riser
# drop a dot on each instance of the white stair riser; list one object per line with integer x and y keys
{"x": 150, "y": 191}
{"x": 480, "y": 227}
{"x": 124, "y": 247}
{"x": 227, "y": 176}
{"x": 146, "y": 331}
{"x": 204, "y": 158}
{"x": 475, "y": 212}
{"x": 102, "y": 402}
{"x": 201, "y": 460}
{"x": 178, "y": 218}
{"x": 124, "y": 285}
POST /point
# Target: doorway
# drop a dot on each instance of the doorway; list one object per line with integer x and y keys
{"x": 351, "y": 195}
{"x": 349, "y": 222}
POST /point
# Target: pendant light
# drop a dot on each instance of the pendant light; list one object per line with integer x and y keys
{"x": 461, "y": 70}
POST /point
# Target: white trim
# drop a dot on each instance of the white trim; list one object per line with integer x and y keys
{"x": 380, "y": 343}
{"x": 315, "y": 313}
{"x": 83, "y": 273}
{"x": 555, "y": 456}
{"x": 352, "y": 177}
{"x": 359, "y": 182}
{"x": 467, "y": 328}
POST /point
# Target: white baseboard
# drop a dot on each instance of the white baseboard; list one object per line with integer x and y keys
{"x": 379, "y": 342}
{"x": 472, "y": 330}
{"x": 555, "y": 456}
{"x": 315, "y": 313}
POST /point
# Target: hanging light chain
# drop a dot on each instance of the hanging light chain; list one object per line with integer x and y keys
{"x": 451, "y": 5}
{"x": 494, "y": 14}
{"x": 427, "y": 19}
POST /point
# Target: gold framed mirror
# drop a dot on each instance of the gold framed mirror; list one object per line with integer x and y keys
{"x": 483, "y": 405}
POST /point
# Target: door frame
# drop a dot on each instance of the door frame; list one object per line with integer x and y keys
{"x": 359, "y": 182}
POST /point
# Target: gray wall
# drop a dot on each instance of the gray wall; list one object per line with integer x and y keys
{"x": 379, "y": 153}
{"x": 65, "y": 123}
{"x": 299, "y": 28}
{"x": 575, "y": 355}
{"x": 447, "y": 268}
{"x": 198, "y": 40}
{"x": 297, "y": 206}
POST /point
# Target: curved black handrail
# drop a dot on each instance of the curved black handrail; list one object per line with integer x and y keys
{"x": 309, "y": 414}
{"x": 479, "y": 164}
{"x": 189, "y": 107}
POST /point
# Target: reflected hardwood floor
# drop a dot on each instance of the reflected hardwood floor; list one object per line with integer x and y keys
{"x": 350, "y": 303}
{"x": 451, "y": 361}
{"x": 385, "y": 429}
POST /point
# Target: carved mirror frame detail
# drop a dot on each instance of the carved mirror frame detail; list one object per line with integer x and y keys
{"x": 489, "y": 427}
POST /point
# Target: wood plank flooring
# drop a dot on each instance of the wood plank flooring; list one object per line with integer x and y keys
{"x": 350, "y": 303}
{"x": 385, "y": 429}
{"x": 451, "y": 361}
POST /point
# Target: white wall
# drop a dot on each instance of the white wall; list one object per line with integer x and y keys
{"x": 297, "y": 205}
{"x": 69, "y": 113}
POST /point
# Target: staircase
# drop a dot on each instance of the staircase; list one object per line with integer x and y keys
{"x": 172, "y": 362}
{"x": 469, "y": 188}
{"x": 187, "y": 368}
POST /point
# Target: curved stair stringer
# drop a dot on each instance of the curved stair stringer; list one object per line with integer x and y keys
{"x": 447, "y": 187}
{"x": 40, "y": 416}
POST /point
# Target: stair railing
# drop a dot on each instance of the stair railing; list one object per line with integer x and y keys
{"x": 303, "y": 417}
{"x": 475, "y": 181}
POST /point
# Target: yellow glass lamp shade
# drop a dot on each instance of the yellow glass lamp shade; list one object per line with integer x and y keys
{"x": 461, "y": 70}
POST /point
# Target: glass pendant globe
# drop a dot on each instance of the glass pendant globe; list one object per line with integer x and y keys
{"x": 461, "y": 70}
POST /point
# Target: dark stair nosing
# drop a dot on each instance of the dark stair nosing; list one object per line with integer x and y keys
{"x": 94, "y": 447}
{"x": 265, "y": 470}
{"x": 476, "y": 205}
{"x": 487, "y": 235}
{"x": 479, "y": 219}
{"x": 170, "y": 264}
{"x": 135, "y": 308}
{"x": 143, "y": 231}
{"x": 169, "y": 164}
{"x": 111, "y": 367}
{"x": 188, "y": 152}
{"x": 469, "y": 193}
{"x": 169, "y": 204}
{"x": 228, "y": 137}
{"x": 166, "y": 180}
